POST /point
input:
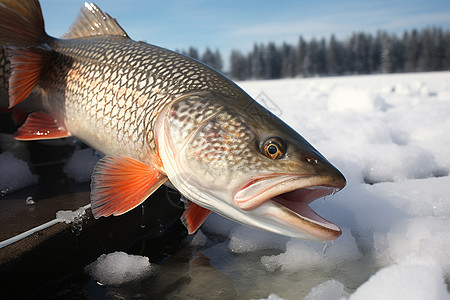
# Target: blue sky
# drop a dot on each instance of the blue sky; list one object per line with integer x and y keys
{"x": 234, "y": 24}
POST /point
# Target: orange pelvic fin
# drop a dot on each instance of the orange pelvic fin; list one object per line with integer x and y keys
{"x": 194, "y": 216}
{"x": 120, "y": 183}
{"x": 41, "y": 126}
{"x": 27, "y": 65}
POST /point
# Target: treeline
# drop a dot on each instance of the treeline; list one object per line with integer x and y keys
{"x": 362, "y": 53}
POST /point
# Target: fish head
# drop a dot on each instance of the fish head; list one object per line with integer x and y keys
{"x": 239, "y": 160}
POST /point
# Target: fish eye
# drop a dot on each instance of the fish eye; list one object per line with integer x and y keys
{"x": 274, "y": 148}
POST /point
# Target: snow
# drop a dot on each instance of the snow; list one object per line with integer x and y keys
{"x": 119, "y": 267}
{"x": 328, "y": 290}
{"x": 15, "y": 174}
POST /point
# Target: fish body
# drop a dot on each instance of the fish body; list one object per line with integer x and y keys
{"x": 159, "y": 115}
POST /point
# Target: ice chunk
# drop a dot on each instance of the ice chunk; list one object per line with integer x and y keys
{"x": 411, "y": 278}
{"x": 79, "y": 167}
{"x": 119, "y": 267}
{"x": 329, "y": 290}
{"x": 68, "y": 216}
{"x": 306, "y": 254}
{"x": 15, "y": 173}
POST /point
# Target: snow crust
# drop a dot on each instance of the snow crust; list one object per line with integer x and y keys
{"x": 15, "y": 173}
{"x": 119, "y": 267}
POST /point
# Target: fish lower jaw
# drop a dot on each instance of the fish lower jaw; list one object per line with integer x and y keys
{"x": 302, "y": 209}
{"x": 289, "y": 204}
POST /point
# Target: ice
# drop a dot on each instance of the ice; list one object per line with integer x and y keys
{"x": 68, "y": 216}
{"x": 15, "y": 173}
{"x": 79, "y": 167}
{"x": 329, "y": 290}
{"x": 119, "y": 267}
{"x": 424, "y": 236}
{"x": 411, "y": 278}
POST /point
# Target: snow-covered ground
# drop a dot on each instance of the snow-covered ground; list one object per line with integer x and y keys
{"x": 389, "y": 135}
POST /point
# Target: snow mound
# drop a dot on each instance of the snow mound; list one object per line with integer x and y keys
{"x": 119, "y": 267}
{"x": 15, "y": 174}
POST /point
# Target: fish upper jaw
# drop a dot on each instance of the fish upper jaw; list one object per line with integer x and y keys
{"x": 286, "y": 198}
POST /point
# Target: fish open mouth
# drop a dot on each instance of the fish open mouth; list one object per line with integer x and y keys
{"x": 289, "y": 197}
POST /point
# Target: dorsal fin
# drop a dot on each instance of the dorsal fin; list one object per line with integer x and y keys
{"x": 92, "y": 21}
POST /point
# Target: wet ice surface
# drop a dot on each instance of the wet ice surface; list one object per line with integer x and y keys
{"x": 389, "y": 135}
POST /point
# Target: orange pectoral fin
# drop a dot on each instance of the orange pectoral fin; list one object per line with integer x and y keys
{"x": 120, "y": 183}
{"x": 41, "y": 126}
{"x": 194, "y": 216}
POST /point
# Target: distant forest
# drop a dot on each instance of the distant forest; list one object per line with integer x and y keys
{"x": 362, "y": 53}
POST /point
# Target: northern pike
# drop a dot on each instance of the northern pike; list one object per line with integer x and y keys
{"x": 157, "y": 115}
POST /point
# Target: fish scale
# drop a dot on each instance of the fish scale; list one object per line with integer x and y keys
{"x": 105, "y": 92}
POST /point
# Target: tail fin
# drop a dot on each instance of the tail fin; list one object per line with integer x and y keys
{"x": 21, "y": 23}
{"x": 22, "y": 32}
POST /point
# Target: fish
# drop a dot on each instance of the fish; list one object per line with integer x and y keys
{"x": 160, "y": 117}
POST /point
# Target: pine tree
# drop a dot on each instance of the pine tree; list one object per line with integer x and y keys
{"x": 288, "y": 63}
{"x": 239, "y": 66}
{"x": 334, "y": 57}
{"x": 412, "y": 51}
{"x": 301, "y": 52}
{"x": 386, "y": 58}
{"x": 213, "y": 59}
